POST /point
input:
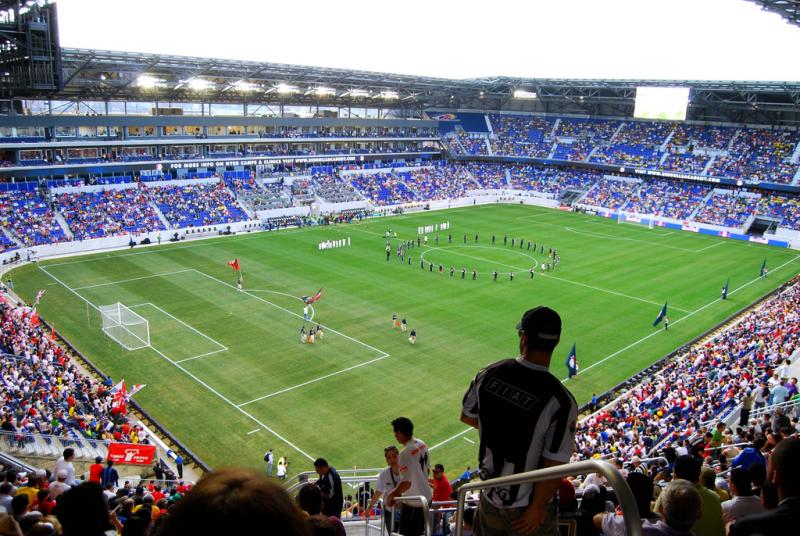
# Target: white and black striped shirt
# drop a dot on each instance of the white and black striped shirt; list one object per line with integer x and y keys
{"x": 524, "y": 415}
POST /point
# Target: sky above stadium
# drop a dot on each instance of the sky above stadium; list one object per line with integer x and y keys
{"x": 669, "y": 39}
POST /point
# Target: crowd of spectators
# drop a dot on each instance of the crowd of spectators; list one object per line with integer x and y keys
{"x": 731, "y": 209}
{"x": 759, "y": 155}
{"x": 667, "y": 198}
{"x": 687, "y": 162}
{"x": 473, "y": 144}
{"x": 384, "y": 188}
{"x": 43, "y": 392}
{"x": 577, "y": 137}
{"x": 521, "y": 135}
{"x": 673, "y": 404}
{"x": 439, "y": 182}
{"x": 108, "y": 213}
{"x": 30, "y": 218}
{"x": 553, "y": 181}
{"x": 487, "y": 176}
{"x": 611, "y": 194}
{"x": 333, "y": 189}
{"x": 783, "y": 207}
{"x": 197, "y": 204}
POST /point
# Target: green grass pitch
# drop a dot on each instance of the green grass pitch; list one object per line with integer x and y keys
{"x": 227, "y": 374}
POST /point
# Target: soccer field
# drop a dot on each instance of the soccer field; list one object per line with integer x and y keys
{"x": 227, "y": 374}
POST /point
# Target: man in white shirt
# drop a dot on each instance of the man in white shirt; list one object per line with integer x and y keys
{"x": 743, "y": 502}
{"x": 64, "y": 463}
{"x": 387, "y": 481}
{"x": 414, "y": 469}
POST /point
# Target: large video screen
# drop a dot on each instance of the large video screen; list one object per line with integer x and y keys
{"x": 661, "y": 102}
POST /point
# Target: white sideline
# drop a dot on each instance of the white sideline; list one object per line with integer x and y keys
{"x": 326, "y": 376}
{"x": 195, "y": 378}
{"x": 163, "y": 274}
{"x": 637, "y": 342}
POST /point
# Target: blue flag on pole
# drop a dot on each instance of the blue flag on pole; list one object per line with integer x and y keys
{"x": 572, "y": 362}
{"x": 725, "y": 290}
{"x": 661, "y": 315}
{"x": 764, "y": 267}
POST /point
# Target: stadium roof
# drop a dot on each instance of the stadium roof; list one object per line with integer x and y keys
{"x": 107, "y": 75}
{"x": 788, "y": 9}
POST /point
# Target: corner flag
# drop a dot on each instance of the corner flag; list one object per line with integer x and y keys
{"x": 234, "y": 264}
{"x": 764, "y": 268}
{"x": 725, "y": 290}
{"x": 661, "y": 315}
{"x": 572, "y": 363}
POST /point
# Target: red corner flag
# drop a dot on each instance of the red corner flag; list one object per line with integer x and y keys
{"x": 234, "y": 264}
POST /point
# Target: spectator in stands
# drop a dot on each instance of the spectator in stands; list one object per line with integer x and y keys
{"x": 234, "y": 501}
{"x": 751, "y": 455}
{"x": 508, "y": 422}
{"x": 784, "y": 476}
{"x": 680, "y": 507}
{"x": 65, "y": 463}
{"x": 441, "y": 492}
{"x": 387, "y": 481}
{"x": 96, "y": 470}
{"x": 6, "y": 495}
{"x": 710, "y": 523}
{"x": 310, "y": 501}
{"x": 109, "y": 474}
{"x": 82, "y": 511}
{"x": 613, "y": 524}
{"x": 60, "y": 485}
{"x": 743, "y": 502}
{"x": 413, "y": 463}
{"x": 330, "y": 484}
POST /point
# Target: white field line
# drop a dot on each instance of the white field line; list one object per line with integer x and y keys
{"x": 133, "y": 279}
{"x": 222, "y": 346}
{"x": 636, "y": 342}
{"x": 711, "y": 246}
{"x": 201, "y": 355}
{"x": 284, "y": 309}
{"x": 599, "y": 289}
{"x": 593, "y": 234}
{"x": 315, "y": 380}
{"x": 254, "y": 431}
{"x": 468, "y": 440}
{"x": 195, "y": 378}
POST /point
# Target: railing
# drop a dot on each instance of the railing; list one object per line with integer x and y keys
{"x": 47, "y": 446}
{"x": 633, "y": 523}
{"x": 347, "y": 475}
{"x": 755, "y": 413}
{"x": 419, "y": 501}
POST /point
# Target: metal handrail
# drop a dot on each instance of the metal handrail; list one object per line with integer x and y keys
{"x": 419, "y": 501}
{"x": 772, "y": 407}
{"x": 633, "y": 523}
{"x": 313, "y": 474}
{"x": 344, "y": 479}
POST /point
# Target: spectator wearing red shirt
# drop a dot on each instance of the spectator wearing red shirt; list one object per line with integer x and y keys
{"x": 441, "y": 493}
{"x": 96, "y": 470}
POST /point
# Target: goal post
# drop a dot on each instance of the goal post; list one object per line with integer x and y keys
{"x": 128, "y": 329}
{"x": 633, "y": 217}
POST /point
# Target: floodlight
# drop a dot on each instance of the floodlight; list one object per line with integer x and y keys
{"x": 199, "y": 84}
{"x": 148, "y": 81}
{"x": 285, "y": 89}
{"x": 524, "y": 94}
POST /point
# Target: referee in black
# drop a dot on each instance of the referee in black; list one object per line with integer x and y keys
{"x": 526, "y": 419}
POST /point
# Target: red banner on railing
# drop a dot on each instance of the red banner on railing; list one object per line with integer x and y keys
{"x": 129, "y": 453}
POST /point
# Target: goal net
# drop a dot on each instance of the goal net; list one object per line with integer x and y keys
{"x": 632, "y": 217}
{"x": 130, "y": 330}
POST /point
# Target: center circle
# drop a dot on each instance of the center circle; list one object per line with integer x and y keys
{"x": 503, "y": 259}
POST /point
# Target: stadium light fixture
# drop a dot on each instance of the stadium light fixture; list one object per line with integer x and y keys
{"x": 285, "y": 89}
{"x": 359, "y": 93}
{"x": 389, "y": 95}
{"x": 147, "y": 81}
{"x": 244, "y": 86}
{"x": 524, "y": 94}
{"x": 199, "y": 84}
{"x": 323, "y": 91}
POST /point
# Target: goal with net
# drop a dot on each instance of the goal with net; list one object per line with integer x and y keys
{"x": 130, "y": 330}
{"x": 632, "y": 217}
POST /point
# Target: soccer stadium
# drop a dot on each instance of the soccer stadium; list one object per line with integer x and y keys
{"x": 569, "y": 304}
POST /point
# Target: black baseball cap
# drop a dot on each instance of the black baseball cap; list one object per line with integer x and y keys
{"x": 541, "y": 323}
